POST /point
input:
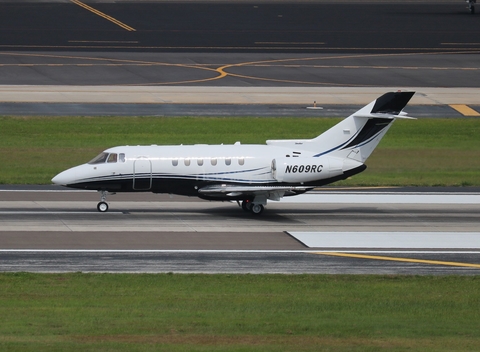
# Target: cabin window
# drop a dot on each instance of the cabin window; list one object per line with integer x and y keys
{"x": 186, "y": 162}
{"x": 199, "y": 162}
{"x": 241, "y": 161}
{"x": 174, "y": 162}
{"x": 228, "y": 161}
{"x": 112, "y": 158}
{"x": 213, "y": 162}
{"x": 99, "y": 159}
{"x": 121, "y": 157}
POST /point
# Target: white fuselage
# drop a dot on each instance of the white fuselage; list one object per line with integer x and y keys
{"x": 185, "y": 169}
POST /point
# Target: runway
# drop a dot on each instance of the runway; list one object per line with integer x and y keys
{"x": 47, "y": 230}
{"x": 217, "y": 58}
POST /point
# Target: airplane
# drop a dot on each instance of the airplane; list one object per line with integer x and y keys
{"x": 248, "y": 174}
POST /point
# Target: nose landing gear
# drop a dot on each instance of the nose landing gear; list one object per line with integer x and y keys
{"x": 102, "y": 206}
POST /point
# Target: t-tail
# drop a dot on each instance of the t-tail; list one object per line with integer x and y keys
{"x": 358, "y": 135}
{"x": 341, "y": 151}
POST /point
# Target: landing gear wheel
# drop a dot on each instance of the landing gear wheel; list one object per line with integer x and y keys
{"x": 247, "y": 205}
{"x": 257, "y": 209}
{"x": 102, "y": 207}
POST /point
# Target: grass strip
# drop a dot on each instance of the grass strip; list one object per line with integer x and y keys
{"x": 425, "y": 152}
{"x": 176, "y": 312}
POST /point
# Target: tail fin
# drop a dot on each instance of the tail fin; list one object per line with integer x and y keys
{"x": 357, "y": 136}
{"x": 392, "y": 103}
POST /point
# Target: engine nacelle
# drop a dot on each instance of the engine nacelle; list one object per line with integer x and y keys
{"x": 298, "y": 170}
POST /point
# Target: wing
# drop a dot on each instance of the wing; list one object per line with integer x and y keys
{"x": 235, "y": 192}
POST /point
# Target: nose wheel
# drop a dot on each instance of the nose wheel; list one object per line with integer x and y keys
{"x": 102, "y": 206}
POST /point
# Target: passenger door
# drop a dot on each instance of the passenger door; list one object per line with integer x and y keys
{"x": 142, "y": 174}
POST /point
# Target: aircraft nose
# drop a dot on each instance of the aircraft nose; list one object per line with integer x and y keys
{"x": 70, "y": 177}
{"x": 60, "y": 179}
{"x": 63, "y": 178}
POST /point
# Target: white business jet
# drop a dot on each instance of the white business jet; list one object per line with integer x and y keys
{"x": 248, "y": 174}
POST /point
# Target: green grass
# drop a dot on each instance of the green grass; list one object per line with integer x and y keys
{"x": 425, "y": 152}
{"x": 147, "y": 312}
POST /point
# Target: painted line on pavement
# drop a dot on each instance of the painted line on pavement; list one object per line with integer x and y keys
{"x": 394, "y": 259}
{"x": 42, "y": 212}
{"x": 465, "y": 110}
{"x": 384, "y": 198}
{"x": 101, "y": 14}
{"x": 389, "y": 240}
{"x": 246, "y": 251}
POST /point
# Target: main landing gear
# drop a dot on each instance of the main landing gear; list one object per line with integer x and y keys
{"x": 102, "y": 206}
{"x": 471, "y": 6}
{"x": 254, "y": 208}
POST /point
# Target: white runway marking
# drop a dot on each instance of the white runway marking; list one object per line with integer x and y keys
{"x": 36, "y": 212}
{"x": 385, "y": 240}
{"x": 384, "y": 198}
{"x": 213, "y": 251}
{"x": 342, "y": 197}
{"x": 47, "y": 191}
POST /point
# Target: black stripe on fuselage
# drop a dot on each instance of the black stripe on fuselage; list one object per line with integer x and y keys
{"x": 371, "y": 128}
{"x": 190, "y": 187}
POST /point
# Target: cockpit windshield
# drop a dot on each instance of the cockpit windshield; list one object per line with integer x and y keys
{"x": 112, "y": 158}
{"x": 99, "y": 159}
{"x": 107, "y": 158}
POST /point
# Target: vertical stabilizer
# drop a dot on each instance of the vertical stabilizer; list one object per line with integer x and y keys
{"x": 357, "y": 136}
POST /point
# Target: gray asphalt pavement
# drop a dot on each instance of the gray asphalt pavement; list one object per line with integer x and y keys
{"x": 46, "y": 229}
{"x": 267, "y": 110}
{"x": 265, "y": 59}
{"x": 237, "y": 26}
{"x": 230, "y": 262}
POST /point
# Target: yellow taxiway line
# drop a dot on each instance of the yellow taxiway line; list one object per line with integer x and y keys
{"x": 101, "y": 14}
{"x": 408, "y": 260}
{"x": 465, "y": 110}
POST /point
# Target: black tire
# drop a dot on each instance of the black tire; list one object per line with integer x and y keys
{"x": 102, "y": 207}
{"x": 247, "y": 205}
{"x": 257, "y": 209}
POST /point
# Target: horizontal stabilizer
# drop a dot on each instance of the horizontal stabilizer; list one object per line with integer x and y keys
{"x": 382, "y": 116}
{"x": 392, "y": 103}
